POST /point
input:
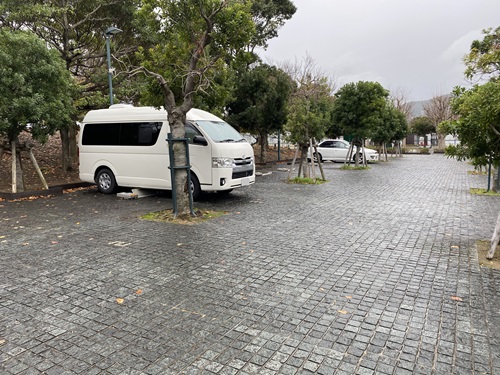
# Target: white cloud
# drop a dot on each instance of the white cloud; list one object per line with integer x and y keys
{"x": 418, "y": 45}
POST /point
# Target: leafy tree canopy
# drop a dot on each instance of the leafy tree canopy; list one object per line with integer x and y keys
{"x": 478, "y": 126}
{"x": 187, "y": 39}
{"x": 310, "y": 110}
{"x": 422, "y": 125}
{"x": 359, "y": 108}
{"x": 260, "y": 100}
{"x": 35, "y": 87}
{"x": 392, "y": 128}
{"x": 484, "y": 56}
{"x": 76, "y": 29}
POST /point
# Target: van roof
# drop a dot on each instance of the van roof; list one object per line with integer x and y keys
{"x": 126, "y": 112}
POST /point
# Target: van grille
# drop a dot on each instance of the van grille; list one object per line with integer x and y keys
{"x": 243, "y": 168}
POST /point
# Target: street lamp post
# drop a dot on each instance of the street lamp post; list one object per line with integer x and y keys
{"x": 108, "y": 33}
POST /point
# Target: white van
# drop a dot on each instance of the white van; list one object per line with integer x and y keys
{"x": 126, "y": 146}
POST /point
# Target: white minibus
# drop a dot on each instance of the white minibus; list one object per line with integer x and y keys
{"x": 127, "y": 146}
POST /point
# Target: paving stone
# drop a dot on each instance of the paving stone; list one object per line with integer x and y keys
{"x": 350, "y": 277}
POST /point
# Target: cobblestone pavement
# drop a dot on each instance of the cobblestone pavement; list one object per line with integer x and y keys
{"x": 374, "y": 272}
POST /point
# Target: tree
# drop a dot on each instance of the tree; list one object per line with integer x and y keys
{"x": 438, "y": 110}
{"x": 478, "y": 123}
{"x": 422, "y": 126}
{"x": 75, "y": 28}
{"x": 35, "y": 90}
{"x": 483, "y": 60}
{"x": 183, "y": 57}
{"x": 260, "y": 103}
{"x": 310, "y": 107}
{"x": 359, "y": 108}
{"x": 392, "y": 129}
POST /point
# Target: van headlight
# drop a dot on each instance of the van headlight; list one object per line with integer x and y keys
{"x": 222, "y": 163}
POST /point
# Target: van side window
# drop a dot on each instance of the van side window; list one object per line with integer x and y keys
{"x": 191, "y": 132}
{"x": 121, "y": 134}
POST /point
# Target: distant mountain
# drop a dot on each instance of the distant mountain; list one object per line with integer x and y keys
{"x": 417, "y": 108}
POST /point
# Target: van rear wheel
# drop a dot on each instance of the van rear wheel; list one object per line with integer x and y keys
{"x": 106, "y": 182}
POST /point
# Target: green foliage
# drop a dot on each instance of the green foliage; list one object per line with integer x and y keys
{"x": 269, "y": 16}
{"x": 392, "y": 128}
{"x": 422, "y": 125}
{"x": 478, "y": 126}
{"x": 360, "y": 108}
{"x": 35, "y": 88}
{"x": 484, "y": 56}
{"x": 186, "y": 53}
{"x": 310, "y": 111}
{"x": 75, "y": 28}
{"x": 260, "y": 98}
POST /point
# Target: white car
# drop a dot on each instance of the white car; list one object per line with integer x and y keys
{"x": 337, "y": 149}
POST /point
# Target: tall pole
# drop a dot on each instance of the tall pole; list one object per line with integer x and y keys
{"x": 110, "y": 80}
{"x": 108, "y": 33}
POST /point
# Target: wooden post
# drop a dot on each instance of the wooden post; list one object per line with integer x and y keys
{"x": 320, "y": 164}
{"x": 494, "y": 240}
{"x": 311, "y": 152}
{"x": 14, "y": 167}
{"x": 293, "y": 161}
{"x": 37, "y": 168}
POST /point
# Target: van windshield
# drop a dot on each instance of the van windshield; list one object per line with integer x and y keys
{"x": 220, "y": 131}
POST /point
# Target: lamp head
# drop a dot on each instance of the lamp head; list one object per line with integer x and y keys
{"x": 112, "y": 31}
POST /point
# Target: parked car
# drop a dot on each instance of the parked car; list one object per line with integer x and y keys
{"x": 337, "y": 149}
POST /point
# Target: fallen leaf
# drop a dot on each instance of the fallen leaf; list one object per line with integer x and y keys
{"x": 139, "y": 291}
{"x": 455, "y": 298}
{"x": 120, "y": 301}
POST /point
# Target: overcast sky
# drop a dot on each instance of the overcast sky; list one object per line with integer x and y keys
{"x": 413, "y": 45}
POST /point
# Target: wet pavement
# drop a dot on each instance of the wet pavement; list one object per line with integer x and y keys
{"x": 374, "y": 272}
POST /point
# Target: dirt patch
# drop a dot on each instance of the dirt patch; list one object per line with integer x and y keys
{"x": 482, "y": 249}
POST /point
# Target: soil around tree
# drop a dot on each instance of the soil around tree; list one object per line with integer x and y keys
{"x": 482, "y": 249}
{"x": 48, "y": 157}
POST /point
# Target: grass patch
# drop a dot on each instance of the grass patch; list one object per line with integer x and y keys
{"x": 306, "y": 180}
{"x": 482, "y": 249}
{"x": 478, "y": 191}
{"x": 354, "y": 168}
{"x": 482, "y": 173}
{"x": 167, "y": 216}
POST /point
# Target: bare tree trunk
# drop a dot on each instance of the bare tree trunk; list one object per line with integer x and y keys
{"x": 263, "y": 147}
{"x": 441, "y": 142}
{"x": 73, "y": 148}
{"x": 65, "y": 155}
{"x": 494, "y": 240}
{"x": 176, "y": 120}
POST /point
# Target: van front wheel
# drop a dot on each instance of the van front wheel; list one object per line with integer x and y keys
{"x": 195, "y": 187}
{"x": 106, "y": 182}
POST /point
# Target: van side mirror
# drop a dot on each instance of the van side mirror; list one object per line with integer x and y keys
{"x": 199, "y": 140}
